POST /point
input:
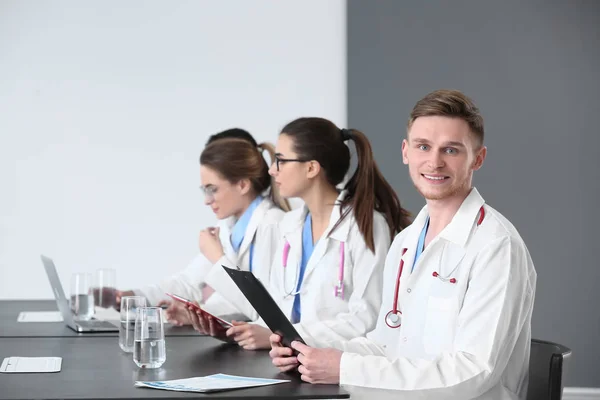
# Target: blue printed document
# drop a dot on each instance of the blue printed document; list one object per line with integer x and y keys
{"x": 210, "y": 383}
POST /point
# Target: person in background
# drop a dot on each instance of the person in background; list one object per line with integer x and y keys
{"x": 236, "y": 181}
{"x": 191, "y": 282}
{"x": 327, "y": 272}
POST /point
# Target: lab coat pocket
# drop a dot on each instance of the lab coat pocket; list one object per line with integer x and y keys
{"x": 439, "y": 330}
{"x": 329, "y": 305}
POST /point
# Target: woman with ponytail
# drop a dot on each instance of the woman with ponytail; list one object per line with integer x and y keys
{"x": 327, "y": 272}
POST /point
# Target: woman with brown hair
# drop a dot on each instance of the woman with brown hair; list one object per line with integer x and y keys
{"x": 237, "y": 186}
{"x": 327, "y": 272}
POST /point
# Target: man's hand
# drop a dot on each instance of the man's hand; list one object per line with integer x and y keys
{"x": 283, "y": 357}
{"x": 176, "y": 312}
{"x": 249, "y": 336}
{"x": 318, "y": 365}
{"x": 210, "y": 244}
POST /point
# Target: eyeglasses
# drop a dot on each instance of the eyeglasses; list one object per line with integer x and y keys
{"x": 209, "y": 192}
{"x": 279, "y": 160}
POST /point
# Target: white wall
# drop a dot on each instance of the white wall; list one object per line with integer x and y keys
{"x": 105, "y": 107}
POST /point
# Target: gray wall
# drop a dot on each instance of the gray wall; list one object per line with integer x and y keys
{"x": 533, "y": 69}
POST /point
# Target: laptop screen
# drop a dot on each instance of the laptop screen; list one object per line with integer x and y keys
{"x": 57, "y": 289}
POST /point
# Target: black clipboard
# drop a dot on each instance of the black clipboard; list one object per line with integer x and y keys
{"x": 264, "y": 305}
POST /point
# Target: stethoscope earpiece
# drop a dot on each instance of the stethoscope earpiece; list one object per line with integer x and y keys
{"x": 436, "y": 275}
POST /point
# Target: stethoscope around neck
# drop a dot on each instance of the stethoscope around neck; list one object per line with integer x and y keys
{"x": 393, "y": 318}
{"x": 339, "y": 287}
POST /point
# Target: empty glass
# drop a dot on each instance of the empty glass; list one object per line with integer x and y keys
{"x": 129, "y": 307}
{"x": 82, "y": 298}
{"x": 105, "y": 292}
{"x": 149, "y": 347}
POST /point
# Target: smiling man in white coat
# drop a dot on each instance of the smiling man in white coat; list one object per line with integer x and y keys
{"x": 459, "y": 283}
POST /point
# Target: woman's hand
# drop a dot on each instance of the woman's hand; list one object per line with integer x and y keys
{"x": 210, "y": 244}
{"x": 175, "y": 312}
{"x": 250, "y": 336}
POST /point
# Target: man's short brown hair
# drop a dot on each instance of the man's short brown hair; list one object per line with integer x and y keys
{"x": 453, "y": 104}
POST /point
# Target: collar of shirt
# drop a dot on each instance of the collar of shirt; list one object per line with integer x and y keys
{"x": 293, "y": 222}
{"x": 459, "y": 228}
{"x": 421, "y": 243}
{"x": 239, "y": 229}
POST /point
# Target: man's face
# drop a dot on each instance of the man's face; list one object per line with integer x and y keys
{"x": 441, "y": 154}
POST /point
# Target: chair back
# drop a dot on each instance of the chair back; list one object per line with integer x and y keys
{"x": 546, "y": 365}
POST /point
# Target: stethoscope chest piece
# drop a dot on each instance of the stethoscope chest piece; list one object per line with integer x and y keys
{"x": 393, "y": 319}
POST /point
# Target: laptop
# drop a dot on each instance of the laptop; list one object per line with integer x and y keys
{"x": 93, "y": 325}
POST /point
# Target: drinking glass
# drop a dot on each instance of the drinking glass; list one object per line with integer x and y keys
{"x": 149, "y": 346}
{"x": 129, "y": 307}
{"x": 82, "y": 298}
{"x": 105, "y": 292}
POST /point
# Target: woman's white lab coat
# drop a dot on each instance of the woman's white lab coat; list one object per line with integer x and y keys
{"x": 466, "y": 340}
{"x": 262, "y": 230}
{"x": 227, "y": 299}
{"x": 325, "y": 317}
{"x": 186, "y": 283}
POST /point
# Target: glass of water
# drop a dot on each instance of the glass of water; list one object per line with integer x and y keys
{"x": 105, "y": 292}
{"x": 149, "y": 346}
{"x": 129, "y": 307}
{"x": 82, "y": 298}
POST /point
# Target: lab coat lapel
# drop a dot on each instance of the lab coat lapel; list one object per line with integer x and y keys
{"x": 293, "y": 236}
{"x": 410, "y": 244}
{"x": 317, "y": 255}
{"x": 330, "y": 240}
{"x": 441, "y": 255}
{"x": 224, "y": 236}
{"x": 448, "y": 256}
{"x": 445, "y": 252}
{"x": 257, "y": 216}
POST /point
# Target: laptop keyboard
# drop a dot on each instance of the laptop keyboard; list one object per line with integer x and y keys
{"x": 96, "y": 324}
